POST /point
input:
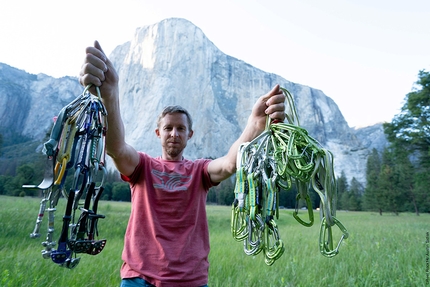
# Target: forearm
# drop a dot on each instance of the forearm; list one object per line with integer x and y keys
{"x": 124, "y": 156}
{"x": 268, "y": 107}
{"x": 99, "y": 71}
{"x": 115, "y": 136}
{"x": 223, "y": 167}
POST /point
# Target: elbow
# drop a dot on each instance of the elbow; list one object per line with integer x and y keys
{"x": 220, "y": 169}
{"x": 111, "y": 153}
{"x": 230, "y": 169}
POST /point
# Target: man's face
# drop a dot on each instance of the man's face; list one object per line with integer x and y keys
{"x": 174, "y": 134}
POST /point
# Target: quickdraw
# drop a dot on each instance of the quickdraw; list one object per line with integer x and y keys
{"x": 282, "y": 155}
{"x": 77, "y": 141}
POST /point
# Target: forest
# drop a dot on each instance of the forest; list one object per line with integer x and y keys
{"x": 397, "y": 178}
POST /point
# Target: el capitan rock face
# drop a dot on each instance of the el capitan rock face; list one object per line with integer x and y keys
{"x": 172, "y": 62}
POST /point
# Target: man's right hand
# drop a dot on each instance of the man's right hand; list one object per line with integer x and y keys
{"x": 98, "y": 70}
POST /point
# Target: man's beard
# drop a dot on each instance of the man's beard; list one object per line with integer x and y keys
{"x": 174, "y": 152}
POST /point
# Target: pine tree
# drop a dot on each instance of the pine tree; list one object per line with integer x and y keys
{"x": 355, "y": 195}
{"x": 390, "y": 182}
{"x": 342, "y": 188}
{"x": 410, "y": 132}
{"x": 373, "y": 197}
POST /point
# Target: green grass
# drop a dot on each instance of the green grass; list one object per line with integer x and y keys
{"x": 383, "y": 250}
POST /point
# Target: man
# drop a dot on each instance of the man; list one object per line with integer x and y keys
{"x": 167, "y": 238}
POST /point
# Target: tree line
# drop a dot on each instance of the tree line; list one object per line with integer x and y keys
{"x": 397, "y": 178}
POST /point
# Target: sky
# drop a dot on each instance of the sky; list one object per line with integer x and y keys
{"x": 364, "y": 54}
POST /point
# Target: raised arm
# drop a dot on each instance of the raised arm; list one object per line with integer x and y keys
{"x": 99, "y": 71}
{"x": 271, "y": 104}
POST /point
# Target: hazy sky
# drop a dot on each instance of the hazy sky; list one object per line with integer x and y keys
{"x": 364, "y": 54}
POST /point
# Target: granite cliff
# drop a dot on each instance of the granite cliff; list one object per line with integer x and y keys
{"x": 173, "y": 62}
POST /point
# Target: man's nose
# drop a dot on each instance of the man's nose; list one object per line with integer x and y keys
{"x": 174, "y": 132}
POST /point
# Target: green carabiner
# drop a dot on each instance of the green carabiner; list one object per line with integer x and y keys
{"x": 274, "y": 247}
{"x": 238, "y": 223}
{"x": 326, "y": 246}
{"x": 310, "y": 211}
{"x": 252, "y": 245}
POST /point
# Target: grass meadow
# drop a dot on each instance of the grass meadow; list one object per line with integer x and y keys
{"x": 385, "y": 250}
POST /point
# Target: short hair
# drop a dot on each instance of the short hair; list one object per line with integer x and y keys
{"x": 175, "y": 109}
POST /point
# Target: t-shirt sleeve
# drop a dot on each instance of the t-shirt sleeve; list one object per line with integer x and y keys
{"x": 137, "y": 171}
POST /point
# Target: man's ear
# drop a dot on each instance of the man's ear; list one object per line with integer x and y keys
{"x": 190, "y": 134}
{"x": 157, "y": 132}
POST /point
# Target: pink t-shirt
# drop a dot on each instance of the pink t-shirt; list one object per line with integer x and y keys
{"x": 167, "y": 237}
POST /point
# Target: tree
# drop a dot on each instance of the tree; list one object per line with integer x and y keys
{"x": 12, "y": 185}
{"x": 412, "y": 126}
{"x": 222, "y": 194}
{"x": 121, "y": 191}
{"x": 287, "y": 198}
{"x": 373, "y": 197}
{"x": 107, "y": 191}
{"x": 350, "y": 199}
{"x": 355, "y": 195}
{"x": 420, "y": 194}
{"x": 342, "y": 188}
{"x": 24, "y": 175}
{"x": 406, "y": 173}
{"x": 5, "y": 181}
{"x": 390, "y": 182}
{"x": 410, "y": 132}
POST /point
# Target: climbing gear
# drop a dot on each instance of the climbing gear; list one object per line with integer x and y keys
{"x": 77, "y": 142}
{"x": 282, "y": 155}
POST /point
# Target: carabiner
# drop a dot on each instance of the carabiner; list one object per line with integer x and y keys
{"x": 310, "y": 211}
{"x": 326, "y": 246}
{"x": 274, "y": 246}
{"x": 252, "y": 245}
{"x": 238, "y": 223}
